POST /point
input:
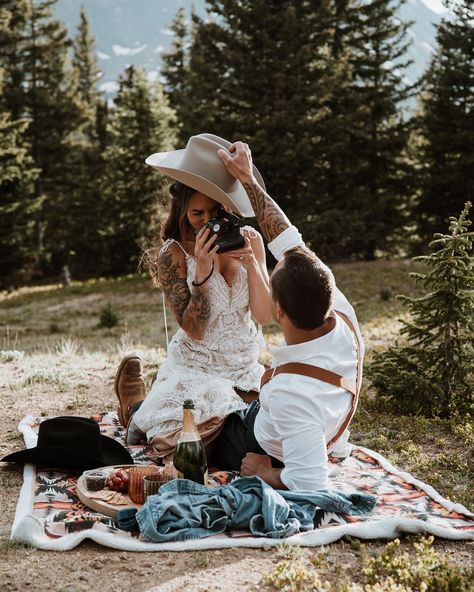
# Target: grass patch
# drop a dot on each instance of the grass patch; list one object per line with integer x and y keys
{"x": 423, "y": 569}
{"x": 364, "y": 282}
{"x": 35, "y": 294}
{"x": 46, "y": 376}
{"x": 77, "y": 403}
{"x": 202, "y": 560}
{"x": 416, "y": 567}
{"x": 11, "y": 356}
{"x": 436, "y": 451}
{"x": 10, "y": 478}
{"x": 68, "y": 348}
{"x": 32, "y": 317}
{"x": 7, "y": 546}
{"x": 108, "y": 316}
{"x": 294, "y": 575}
{"x": 289, "y": 551}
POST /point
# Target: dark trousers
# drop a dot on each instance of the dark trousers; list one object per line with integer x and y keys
{"x": 236, "y": 439}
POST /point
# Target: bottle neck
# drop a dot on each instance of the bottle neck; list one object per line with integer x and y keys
{"x": 189, "y": 425}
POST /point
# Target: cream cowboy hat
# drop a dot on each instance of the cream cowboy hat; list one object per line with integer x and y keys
{"x": 199, "y": 166}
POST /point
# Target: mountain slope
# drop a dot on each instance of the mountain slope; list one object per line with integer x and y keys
{"x": 131, "y": 32}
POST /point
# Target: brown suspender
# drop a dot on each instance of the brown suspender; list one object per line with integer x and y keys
{"x": 325, "y": 376}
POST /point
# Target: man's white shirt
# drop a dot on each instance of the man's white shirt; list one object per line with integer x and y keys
{"x": 299, "y": 415}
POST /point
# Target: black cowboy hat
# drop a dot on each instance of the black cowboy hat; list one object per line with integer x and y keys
{"x": 72, "y": 442}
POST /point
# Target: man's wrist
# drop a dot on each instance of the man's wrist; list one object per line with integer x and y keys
{"x": 271, "y": 476}
{"x": 248, "y": 179}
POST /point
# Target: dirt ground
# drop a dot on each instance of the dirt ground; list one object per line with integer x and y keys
{"x": 86, "y": 384}
{"x": 58, "y": 374}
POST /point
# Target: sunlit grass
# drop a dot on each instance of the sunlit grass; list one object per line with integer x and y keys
{"x": 415, "y": 566}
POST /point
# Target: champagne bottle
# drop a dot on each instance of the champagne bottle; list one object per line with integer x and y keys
{"x": 190, "y": 457}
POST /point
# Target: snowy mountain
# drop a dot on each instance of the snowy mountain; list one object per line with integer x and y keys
{"x": 422, "y": 33}
{"x": 137, "y": 31}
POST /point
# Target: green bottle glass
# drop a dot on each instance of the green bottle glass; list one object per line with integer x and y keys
{"x": 189, "y": 456}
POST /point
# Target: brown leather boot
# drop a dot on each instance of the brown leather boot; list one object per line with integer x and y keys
{"x": 129, "y": 386}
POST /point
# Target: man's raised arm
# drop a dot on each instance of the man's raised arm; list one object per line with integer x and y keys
{"x": 270, "y": 217}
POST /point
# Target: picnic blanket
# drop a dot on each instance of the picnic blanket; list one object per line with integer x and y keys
{"x": 49, "y": 514}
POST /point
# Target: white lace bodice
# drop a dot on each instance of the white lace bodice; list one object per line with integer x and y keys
{"x": 230, "y": 345}
{"x": 207, "y": 370}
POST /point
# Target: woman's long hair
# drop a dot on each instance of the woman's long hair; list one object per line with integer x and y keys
{"x": 176, "y": 226}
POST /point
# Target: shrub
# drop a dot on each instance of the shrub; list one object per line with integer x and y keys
{"x": 385, "y": 294}
{"x": 426, "y": 570}
{"x": 292, "y": 576}
{"x": 12, "y": 355}
{"x": 432, "y": 374}
{"x": 108, "y": 316}
{"x": 54, "y": 327}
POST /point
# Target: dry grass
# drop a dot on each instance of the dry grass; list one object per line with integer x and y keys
{"x": 56, "y": 360}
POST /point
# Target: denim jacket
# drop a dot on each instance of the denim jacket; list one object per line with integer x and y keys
{"x": 184, "y": 510}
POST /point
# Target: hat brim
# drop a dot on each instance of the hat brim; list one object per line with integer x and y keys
{"x": 237, "y": 201}
{"x": 113, "y": 453}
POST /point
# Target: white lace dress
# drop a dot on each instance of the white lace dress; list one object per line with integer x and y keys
{"x": 207, "y": 370}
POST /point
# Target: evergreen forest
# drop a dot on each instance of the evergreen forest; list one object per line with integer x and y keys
{"x": 317, "y": 89}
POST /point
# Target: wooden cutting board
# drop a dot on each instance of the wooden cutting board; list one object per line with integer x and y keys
{"x": 102, "y": 506}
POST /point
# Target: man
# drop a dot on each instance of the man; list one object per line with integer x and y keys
{"x": 300, "y": 418}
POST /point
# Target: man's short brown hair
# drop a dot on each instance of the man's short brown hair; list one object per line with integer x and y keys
{"x": 303, "y": 287}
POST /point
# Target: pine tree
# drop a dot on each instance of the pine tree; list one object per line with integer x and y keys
{"x": 447, "y": 121}
{"x": 315, "y": 88}
{"x": 17, "y": 203}
{"x": 433, "y": 372}
{"x": 141, "y": 123}
{"x": 86, "y": 159}
{"x": 175, "y": 71}
{"x": 192, "y": 73}
{"x": 14, "y": 16}
{"x": 18, "y": 255}
{"x": 85, "y": 61}
{"x": 333, "y": 220}
{"x": 40, "y": 87}
{"x": 256, "y": 72}
{"x": 366, "y": 177}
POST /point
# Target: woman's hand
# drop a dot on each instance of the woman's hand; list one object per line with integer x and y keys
{"x": 245, "y": 255}
{"x": 204, "y": 253}
{"x": 252, "y": 258}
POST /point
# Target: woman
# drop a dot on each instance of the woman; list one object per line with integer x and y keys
{"x": 213, "y": 357}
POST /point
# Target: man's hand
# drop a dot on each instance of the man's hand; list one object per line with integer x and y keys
{"x": 238, "y": 162}
{"x": 255, "y": 464}
{"x": 270, "y": 217}
{"x": 260, "y": 465}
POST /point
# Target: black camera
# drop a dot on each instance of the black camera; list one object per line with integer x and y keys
{"x": 227, "y": 228}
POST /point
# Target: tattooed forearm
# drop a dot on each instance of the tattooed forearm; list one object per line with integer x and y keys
{"x": 270, "y": 217}
{"x": 192, "y": 310}
{"x": 198, "y": 312}
{"x": 174, "y": 285}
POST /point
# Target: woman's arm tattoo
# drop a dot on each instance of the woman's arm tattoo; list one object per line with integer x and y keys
{"x": 201, "y": 306}
{"x": 270, "y": 216}
{"x": 174, "y": 286}
{"x": 192, "y": 309}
